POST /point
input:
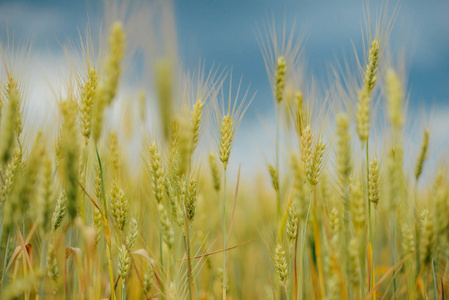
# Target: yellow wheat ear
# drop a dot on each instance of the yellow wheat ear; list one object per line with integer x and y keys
{"x": 428, "y": 236}
{"x": 281, "y": 52}
{"x": 119, "y": 206}
{"x": 11, "y": 123}
{"x": 88, "y": 91}
{"x": 113, "y": 63}
{"x": 374, "y": 182}
{"x": 280, "y": 263}
{"x": 123, "y": 261}
{"x": 300, "y": 186}
{"x": 343, "y": 148}
{"x": 372, "y": 66}
{"x": 201, "y": 89}
{"x": 395, "y": 95}
{"x": 226, "y": 138}
{"x": 357, "y": 205}
{"x": 228, "y": 117}
{"x": 108, "y": 86}
{"x": 215, "y": 171}
{"x": 156, "y": 170}
{"x": 370, "y": 78}
{"x": 165, "y": 92}
{"x": 292, "y": 222}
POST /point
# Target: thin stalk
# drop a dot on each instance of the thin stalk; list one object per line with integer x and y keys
{"x": 363, "y": 265}
{"x": 123, "y": 289}
{"x": 68, "y": 267}
{"x": 290, "y": 279}
{"x": 317, "y": 247}
{"x": 171, "y": 262}
{"x": 394, "y": 255}
{"x": 303, "y": 242}
{"x": 370, "y": 229}
{"x": 86, "y": 158}
{"x": 346, "y": 229}
{"x": 1, "y": 232}
{"x": 102, "y": 183}
{"x": 160, "y": 242}
{"x": 224, "y": 235}
{"x": 435, "y": 289}
{"x": 294, "y": 262}
{"x": 434, "y": 263}
{"x": 396, "y": 137}
{"x": 4, "y": 261}
{"x": 43, "y": 264}
{"x": 189, "y": 263}
{"x": 111, "y": 274}
{"x": 278, "y": 192}
{"x": 417, "y": 232}
{"x": 372, "y": 253}
{"x": 278, "y": 196}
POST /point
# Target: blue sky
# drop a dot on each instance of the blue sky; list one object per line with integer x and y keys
{"x": 225, "y": 33}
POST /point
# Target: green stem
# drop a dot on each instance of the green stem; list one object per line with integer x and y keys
{"x": 160, "y": 242}
{"x": 111, "y": 275}
{"x": 1, "y": 231}
{"x": 69, "y": 266}
{"x": 363, "y": 265}
{"x": 4, "y": 262}
{"x": 303, "y": 242}
{"x": 290, "y": 270}
{"x": 187, "y": 249}
{"x": 278, "y": 191}
{"x": 435, "y": 289}
{"x": 346, "y": 229}
{"x": 83, "y": 208}
{"x": 278, "y": 196}
{"x": 418, "y": 234}
{"x": 124, "y": 289}
{"x": 435, "y": 262}
{"x": 224, "y": 235}
{"x": 370, "y": 228}
{"x": 373, "y": 279}
{"x": 394, "y": 256}
{"x": 43, "y": 264}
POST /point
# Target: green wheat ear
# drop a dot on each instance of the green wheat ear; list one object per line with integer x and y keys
{"x": 87, "y": 102}
{"x": 422, "y": 155}
{"x": 119, "y": 207}
{"x": 10, "y": 124}
{"x": 274, "y": 177}
{"x": 280, "y": 78}
{"x": 374, "y": 182}
{"x": 292, "y": 223}
{"x": 226, "y": 138}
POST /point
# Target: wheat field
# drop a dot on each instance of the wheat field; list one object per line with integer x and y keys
{"x": 130, "y": 194}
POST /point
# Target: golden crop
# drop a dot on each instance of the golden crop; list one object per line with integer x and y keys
{"x": 342, "y": 218}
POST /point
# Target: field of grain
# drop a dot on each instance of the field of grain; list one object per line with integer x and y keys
{"x": 139, "y": 201}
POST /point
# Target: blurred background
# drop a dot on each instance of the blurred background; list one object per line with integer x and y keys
{"x": 226, "y": 33}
